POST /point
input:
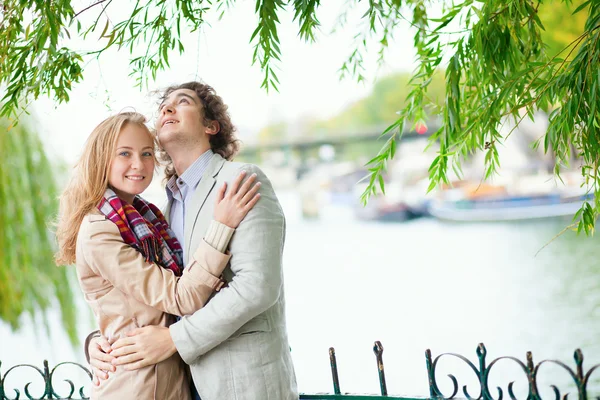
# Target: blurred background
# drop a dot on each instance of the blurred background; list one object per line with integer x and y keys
{"x": 478, "y": 261}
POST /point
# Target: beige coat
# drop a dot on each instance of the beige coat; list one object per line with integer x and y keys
{"x": 125, "y": 293}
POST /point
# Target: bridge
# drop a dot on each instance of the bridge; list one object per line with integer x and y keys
{"x": 340, "y": 139}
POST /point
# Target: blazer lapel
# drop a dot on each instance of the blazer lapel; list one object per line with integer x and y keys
{"x": 199, "y": 198}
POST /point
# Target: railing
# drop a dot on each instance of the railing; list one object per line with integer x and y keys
{"x": 580, "y": 378}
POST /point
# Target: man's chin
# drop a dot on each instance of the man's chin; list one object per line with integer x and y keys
{"x": 165, "y": 137}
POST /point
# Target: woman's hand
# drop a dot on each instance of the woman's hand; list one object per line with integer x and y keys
{"x": 232, "y": 205}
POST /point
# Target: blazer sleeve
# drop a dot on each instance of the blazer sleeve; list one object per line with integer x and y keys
{"x": 125, "y": 268}
{"x": 256, "y": 249}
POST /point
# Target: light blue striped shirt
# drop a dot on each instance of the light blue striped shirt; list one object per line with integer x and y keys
{"x": 181, "y": 189}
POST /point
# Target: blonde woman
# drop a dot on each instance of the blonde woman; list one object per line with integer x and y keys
{"x": 129, "y": 263}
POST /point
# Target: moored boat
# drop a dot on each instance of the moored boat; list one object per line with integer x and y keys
{"x": 508, "y": 208}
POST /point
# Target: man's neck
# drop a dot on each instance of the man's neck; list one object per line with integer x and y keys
{"x": 184, "y": 157}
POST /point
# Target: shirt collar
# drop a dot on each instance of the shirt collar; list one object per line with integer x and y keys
{"x": 191, "y": 176}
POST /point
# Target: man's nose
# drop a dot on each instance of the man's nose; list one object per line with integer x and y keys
{"x": 168, "y": 109}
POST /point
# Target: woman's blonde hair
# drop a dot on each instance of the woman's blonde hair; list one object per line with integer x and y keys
{"x": 89, "y": 181}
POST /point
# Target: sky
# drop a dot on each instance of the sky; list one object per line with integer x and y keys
{"x": 221, "y": 55}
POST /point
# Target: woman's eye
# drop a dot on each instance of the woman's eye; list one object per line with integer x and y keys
{"x": 124, "y": 153}
{"x": 147, "y": 154}
{"x": 184, "y": 100}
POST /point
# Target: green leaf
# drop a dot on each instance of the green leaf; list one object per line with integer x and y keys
{"x": 105, "y": 29}
{"x": 582, "y": 6}
{"x": 381, "y": 184}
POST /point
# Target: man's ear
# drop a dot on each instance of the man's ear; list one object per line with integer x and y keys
{"x": 213, "y": 128}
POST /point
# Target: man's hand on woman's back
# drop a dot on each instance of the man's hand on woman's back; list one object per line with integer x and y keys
{"x": 100, "y": 359}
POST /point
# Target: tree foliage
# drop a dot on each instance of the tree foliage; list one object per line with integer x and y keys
{"x": 29, "y": 280}
{"x": 497, "y": 66}
{"x": 561, "y": 27}
{"x": 497, "y": 70}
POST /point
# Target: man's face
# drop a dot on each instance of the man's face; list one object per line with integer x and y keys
{"x": 181, "y": 119}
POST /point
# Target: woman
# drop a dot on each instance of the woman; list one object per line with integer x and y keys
{"x": 129, "y": 263}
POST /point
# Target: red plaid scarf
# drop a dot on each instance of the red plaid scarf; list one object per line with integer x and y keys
{"x": 143, "y": 227}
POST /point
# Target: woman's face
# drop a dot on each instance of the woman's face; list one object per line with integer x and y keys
{"x": 132, "y": 167}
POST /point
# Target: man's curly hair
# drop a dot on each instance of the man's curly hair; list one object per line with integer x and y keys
{"x": 223, "y": 142}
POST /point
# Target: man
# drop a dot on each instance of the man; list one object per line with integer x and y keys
{"x": 237, "y": 345}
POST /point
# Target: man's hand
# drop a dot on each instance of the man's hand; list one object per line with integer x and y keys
{"x": 100, "y": 359}
{"x": 142, "y": 347}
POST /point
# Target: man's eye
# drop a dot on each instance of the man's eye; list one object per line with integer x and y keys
{"x": 184, "y": 100}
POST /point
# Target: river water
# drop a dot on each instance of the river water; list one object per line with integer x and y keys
{"x": 419, "y": 285}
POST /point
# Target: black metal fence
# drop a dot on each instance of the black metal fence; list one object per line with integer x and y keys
{"x": 580, "y": 379}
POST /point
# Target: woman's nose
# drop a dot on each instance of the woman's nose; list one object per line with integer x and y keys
{"x": 136, "y": 163}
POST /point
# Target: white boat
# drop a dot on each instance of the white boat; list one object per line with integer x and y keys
{"x": 508, "y": 208}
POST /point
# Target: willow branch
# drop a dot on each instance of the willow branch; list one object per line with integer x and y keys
{"x": 88, "y": 7}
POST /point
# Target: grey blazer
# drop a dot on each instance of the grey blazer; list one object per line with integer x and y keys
{"x": 237, "y": 345}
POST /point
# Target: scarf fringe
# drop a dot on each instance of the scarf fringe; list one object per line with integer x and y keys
{"x": 150, "y": 250}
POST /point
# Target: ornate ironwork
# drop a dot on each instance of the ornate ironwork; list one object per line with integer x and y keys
{"x": 481, "y": 371}
{"x": 47, "y": 375}
{"x": 530, "y": 370}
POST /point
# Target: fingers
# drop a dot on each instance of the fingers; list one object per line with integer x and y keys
{"x": 99, "y": 374}
{"x": 246, "y": 186}
{"x": 99, "y": 359}
{"x": 250, "y": 194}
{"x": 95, "y": 380}
{"x": 221, "y": 194}
{"x": 122, "y": 342}
{"x": 103, "y": 366}
{"x": 236, "y": 184}
{"x": 135, "y": 332}
{"x": 125, "y": 350}
{"x": 128, "y": 359}
{"x": 252, "y": 202}
{"x": 104, "y": 344}
{"x": 137, "y": 365}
